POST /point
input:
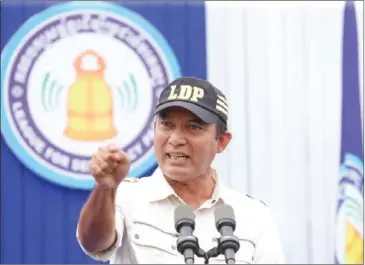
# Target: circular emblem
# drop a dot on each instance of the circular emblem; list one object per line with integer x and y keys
{"x": 350, "y": 212}
{"x": 77, "y": 76}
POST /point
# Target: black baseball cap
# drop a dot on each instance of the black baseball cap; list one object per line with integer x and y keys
{"x": 196, "y": 95}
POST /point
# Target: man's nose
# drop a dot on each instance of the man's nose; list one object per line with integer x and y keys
{"x": 177, "y": 138}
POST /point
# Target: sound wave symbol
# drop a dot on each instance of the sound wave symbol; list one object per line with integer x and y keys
{"x": 51, "y": 92}
{"x": 128, "y": 93}
{"x": 353, "y": 210}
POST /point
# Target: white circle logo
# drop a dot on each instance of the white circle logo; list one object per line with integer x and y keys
{"x": 79, "y": 75}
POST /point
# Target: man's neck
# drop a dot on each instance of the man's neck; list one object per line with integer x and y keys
{"x": 197, "y": 191}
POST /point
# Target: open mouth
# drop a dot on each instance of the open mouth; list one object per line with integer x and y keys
{"x": 177, "y": 156}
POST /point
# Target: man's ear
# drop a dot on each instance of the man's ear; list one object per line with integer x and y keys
{"x": 223, "y": 141}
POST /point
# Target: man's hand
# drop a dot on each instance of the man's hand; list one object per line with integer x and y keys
{"x": 109, "y": 166}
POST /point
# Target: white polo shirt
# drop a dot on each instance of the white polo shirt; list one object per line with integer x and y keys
{"x": 146, "y": 230}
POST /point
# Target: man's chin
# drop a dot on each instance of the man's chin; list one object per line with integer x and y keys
{"x": 177, "y": 173}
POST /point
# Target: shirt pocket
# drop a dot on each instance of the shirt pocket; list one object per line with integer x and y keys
{"x": 244, "y": 255}
{"x": 152, "y": 244}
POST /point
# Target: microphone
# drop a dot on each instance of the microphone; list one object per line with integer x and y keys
{"x": 228, "y": 244}
{"x": 187, "y": 243}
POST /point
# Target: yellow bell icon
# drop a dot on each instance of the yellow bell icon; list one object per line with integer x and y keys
{"x": 89, "y": 101}
{"x": 354, "y": 245}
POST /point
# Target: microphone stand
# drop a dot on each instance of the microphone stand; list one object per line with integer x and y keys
{"x": 212, "y": 253}
{"x": 227, "y": 245}
{"x": 216, "y": 251}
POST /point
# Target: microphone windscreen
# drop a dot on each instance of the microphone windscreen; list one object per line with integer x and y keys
{"x": 184, "y": 212}
{"x": 223, "y": 212}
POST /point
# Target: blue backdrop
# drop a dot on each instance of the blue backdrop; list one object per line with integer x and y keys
{"x": 38, "y": 218}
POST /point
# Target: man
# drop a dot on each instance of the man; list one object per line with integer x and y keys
{"x": 130, "y": 220}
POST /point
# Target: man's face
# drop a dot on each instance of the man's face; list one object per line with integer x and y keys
{"x": 184, "y": 145}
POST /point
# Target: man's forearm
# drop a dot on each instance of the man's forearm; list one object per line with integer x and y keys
{"x": 96, "y": 228}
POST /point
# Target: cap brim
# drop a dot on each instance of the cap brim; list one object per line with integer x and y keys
{"x": 202, "y": 113}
